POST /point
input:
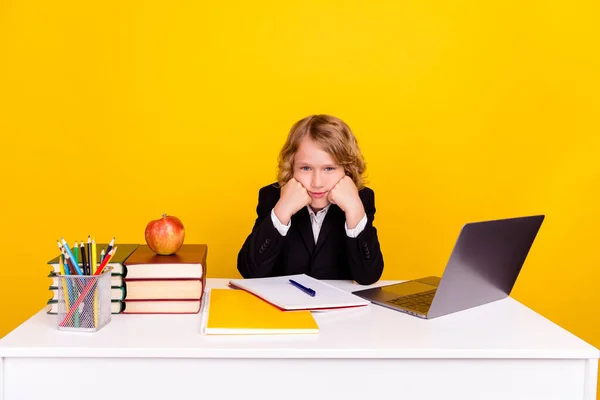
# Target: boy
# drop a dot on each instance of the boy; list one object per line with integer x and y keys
{"x": 318, "y": 218}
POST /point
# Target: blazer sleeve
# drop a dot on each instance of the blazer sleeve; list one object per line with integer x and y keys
{"x": 260, "y": 252}
{"x": 364, "y": 252}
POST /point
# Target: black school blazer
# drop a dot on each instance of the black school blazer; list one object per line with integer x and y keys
{"x": 266, "y": 253}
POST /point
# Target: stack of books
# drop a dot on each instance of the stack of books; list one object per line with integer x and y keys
{"x": 118, "y": 272}
{"x": 158, "y": 284}
{"x": 143, "y": 282}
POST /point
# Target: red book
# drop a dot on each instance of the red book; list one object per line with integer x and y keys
{"x": 164, "y": 289}
{"x": 173, "y": 284}
{"x": 188, "y": 263}
{"x": 161, "y": 307}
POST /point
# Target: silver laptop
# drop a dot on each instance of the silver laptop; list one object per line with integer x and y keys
{"x": 483, "y": 267}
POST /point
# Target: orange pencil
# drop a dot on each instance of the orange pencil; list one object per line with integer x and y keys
{"x": 106, "y": 260}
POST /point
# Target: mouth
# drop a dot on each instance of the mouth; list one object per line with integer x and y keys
{"x": 318, "y": 195}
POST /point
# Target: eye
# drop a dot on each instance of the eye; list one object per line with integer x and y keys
{"x": 330, "y": 169}
{"x": 305, "y": 168}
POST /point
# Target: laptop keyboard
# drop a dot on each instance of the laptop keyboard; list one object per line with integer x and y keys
{"x": 419, "y": 302}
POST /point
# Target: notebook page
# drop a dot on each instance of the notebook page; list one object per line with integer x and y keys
{"x": 281, "y": 293}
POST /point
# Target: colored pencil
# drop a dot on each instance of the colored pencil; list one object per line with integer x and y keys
{"x": 76, "y": 287}
{"x": 76, "y": 253}
{"x": 93, "y": 271}
{"x": 110, "y": 246}
{"x": 65, "y": 270}
{"x": 64, "y": 285}
{"x": 89, "y": 251}
{"x": 84, "y": 260}
{"x": 94, "y": 267}
{"x": 88, "y": 286}
{"x": 94, "y": 257}
{"x": 70, "y": 254}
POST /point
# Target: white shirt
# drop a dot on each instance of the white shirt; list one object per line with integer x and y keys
{"x": 316, "y": 221}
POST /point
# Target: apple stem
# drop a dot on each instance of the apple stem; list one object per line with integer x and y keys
{"x": 164, "y": 215}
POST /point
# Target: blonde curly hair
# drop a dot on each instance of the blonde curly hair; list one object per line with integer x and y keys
{"x": 334, "y": 136}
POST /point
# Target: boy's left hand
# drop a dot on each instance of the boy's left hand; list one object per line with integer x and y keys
{"x": 345, "y": 195}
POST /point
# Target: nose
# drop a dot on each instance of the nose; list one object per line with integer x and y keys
{"x": 317, "y": 180}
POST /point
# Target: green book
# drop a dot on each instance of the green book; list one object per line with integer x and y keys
{"x": 115, "y": 280}
{"x": 124, "y": 250}
{"x": 116, "y": 306}
{"x": 116, "y": 292}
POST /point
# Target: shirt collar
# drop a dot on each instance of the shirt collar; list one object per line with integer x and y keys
{"x": 319, "y": 213}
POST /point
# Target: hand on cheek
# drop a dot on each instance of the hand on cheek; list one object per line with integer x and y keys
{"x": 293, "y": 197}
{"x": 345, "y": 195}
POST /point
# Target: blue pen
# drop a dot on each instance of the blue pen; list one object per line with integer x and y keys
{"x": 306, "y": 290}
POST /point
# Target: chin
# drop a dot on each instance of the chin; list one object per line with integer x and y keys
{"x": 319, "y": 203}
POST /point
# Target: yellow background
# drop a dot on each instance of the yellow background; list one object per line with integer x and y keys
{"x": 114, "y": 113}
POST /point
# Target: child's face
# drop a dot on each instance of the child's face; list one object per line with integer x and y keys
{"x": 316, "y": 170}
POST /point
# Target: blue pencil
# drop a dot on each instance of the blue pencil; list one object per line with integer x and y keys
{"x": 71, "y": 287}
{"x": 66, "y": 271}
{"x": 68, "y": 250}
{"x": 77, "y": 286}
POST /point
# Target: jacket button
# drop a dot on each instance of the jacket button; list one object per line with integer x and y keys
{"x": 267, "y": 240}
{"x": 365, "y": 245}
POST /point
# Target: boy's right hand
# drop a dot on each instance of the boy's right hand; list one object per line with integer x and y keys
{"x": 293, "y": 198}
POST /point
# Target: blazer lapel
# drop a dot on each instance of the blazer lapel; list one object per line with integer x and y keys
{"x": 305, "y": 229}
{"x": 330, "y": 220}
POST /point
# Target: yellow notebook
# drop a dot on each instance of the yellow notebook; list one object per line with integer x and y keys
{"x": 237, "y": 312}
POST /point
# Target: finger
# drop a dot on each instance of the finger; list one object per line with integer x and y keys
{"x": 330, "y": 196}
{"x": 303, "y": 190}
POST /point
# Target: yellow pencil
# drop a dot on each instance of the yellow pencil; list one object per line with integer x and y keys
{"x": 94, "y": 260}
{"x": 94, "y": 266}
{"x": 63, "y": 282}
{"x": 96, "y": 307}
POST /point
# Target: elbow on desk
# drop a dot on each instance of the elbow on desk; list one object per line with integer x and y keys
{"x": 248, "y": 271}
{"x": 369, "y": 278}
{"x": 365, "y": 281}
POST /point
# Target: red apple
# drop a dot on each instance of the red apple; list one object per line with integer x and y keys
{"x": 165, "y": 236}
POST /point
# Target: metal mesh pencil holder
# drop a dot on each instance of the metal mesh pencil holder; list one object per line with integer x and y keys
{"x": 84, "y": 302}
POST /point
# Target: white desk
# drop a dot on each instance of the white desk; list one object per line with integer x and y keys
{"x": 501, "y": 350}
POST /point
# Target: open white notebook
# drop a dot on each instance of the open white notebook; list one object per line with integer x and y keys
{"x": 281, "y": 293}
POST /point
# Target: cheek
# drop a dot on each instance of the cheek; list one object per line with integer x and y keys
{"x": 304, "y": 179}
{"x": 336, "y": 177}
